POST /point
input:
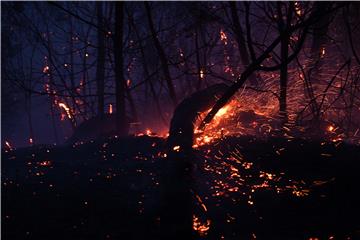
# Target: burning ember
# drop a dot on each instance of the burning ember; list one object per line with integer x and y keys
{"x": 201, "y": 228}
{"x": 66, "y": 108}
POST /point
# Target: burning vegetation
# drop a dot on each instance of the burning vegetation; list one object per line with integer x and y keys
{"x": 206, "y": 120}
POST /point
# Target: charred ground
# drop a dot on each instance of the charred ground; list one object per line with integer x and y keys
{"x": 244, "y": 188}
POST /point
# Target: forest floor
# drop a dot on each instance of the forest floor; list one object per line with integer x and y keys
{"x": 245, "y": 188}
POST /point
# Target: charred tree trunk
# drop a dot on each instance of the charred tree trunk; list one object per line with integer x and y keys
{"x": 162, "y": 56}
{"x": 121, "y": 123}
{"x": 100, "y": 67}
{"x": 283, "y": 26}
{"x": 284, "y": 78}
{"x": 177, "y": 210}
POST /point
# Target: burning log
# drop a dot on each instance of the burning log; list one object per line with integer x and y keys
{"x": 177, "y": 199}
{"x": 182, "y": 124}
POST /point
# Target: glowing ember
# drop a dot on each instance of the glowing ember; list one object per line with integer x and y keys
{"x": 331, "y": 128}
{"x": 176, "y": 148}
{"x": 201, "y": 228}
{"x": 202, "y": 74}
{"x": 223, "y": 37}
{"x": 8, "y": 145}
{"x": 46, "y": 69}
{"x": 322, "y": 53}
{"x": 66, "y": 108}
{"x": 110, "y": 108}
{"x": 297, "y": 9}
{"x": 45, "y": 163}
{"x": 223, "y": 111}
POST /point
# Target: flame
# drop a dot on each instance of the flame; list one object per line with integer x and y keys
{"x": 222, "y": 111}
{"x": 331, "y": 128}
{"x": 66, "y": 108}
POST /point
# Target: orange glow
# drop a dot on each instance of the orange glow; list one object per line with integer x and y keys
{"x": 223, "y": 111}
{"x": 66, "y": 108}
{"x": 45, "y": 163}
{"x": 201, "y": 228}
{"x": 297, "y": 9}
{"x": 176, "y": 148}
{"x": 202, "y": 75}
{"x": 331, "y": 128}
{"x": 46, "y": 69}
{"x": 8, "y": 145}
{"x": 110, "y": 108}
{"x": 223, "y": 37}
{"x": 322, "y": 53}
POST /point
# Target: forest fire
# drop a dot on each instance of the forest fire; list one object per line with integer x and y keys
{"x": 220, "y": 120}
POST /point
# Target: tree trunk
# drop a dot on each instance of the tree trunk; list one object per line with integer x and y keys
{"x": 100, "y": 67}
{"x": 121, "y": 123}
{"x": 177, "y": 179}
{"x": 239, "y": 35}
{"x": 162, "y": 56}
{"x": 284, "y": 78}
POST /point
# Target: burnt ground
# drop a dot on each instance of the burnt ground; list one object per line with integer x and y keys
{"x": 110, "y": 189}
